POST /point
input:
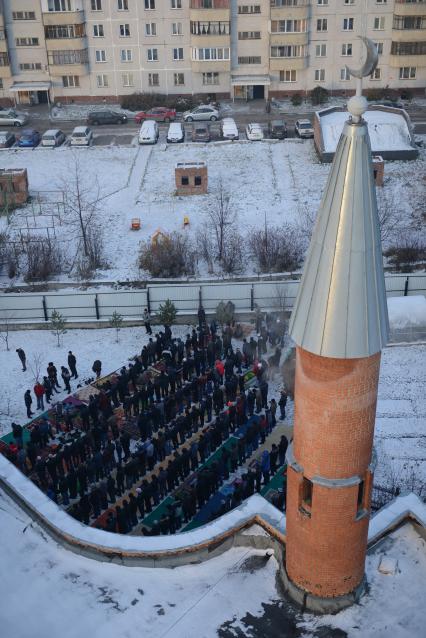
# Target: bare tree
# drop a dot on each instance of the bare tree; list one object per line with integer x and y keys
{"x": 221, "y": 219}
{"x": 205, "y": 247}
{"x": 173, "y": 256}
{"x": 276, "y": 248}
{"x": 4, "y": 332}
{"x": 35, "y": 366}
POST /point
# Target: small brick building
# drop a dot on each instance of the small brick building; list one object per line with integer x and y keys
{"x": 13, "y": 187}
{"x": 191, "y": 178}
{"x": 378, "y": 169}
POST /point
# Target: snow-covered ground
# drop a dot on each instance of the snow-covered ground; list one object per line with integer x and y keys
{"x": 280, "y": 181}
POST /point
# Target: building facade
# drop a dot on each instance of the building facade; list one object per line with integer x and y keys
{"x": 63, "y": 50}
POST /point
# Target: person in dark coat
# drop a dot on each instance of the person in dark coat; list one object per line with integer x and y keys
{"x": 282, "y": 403}
{"x": 97, "y": 367}
{"x": 23, "y": 358}
{"x": 282, "y": 449}
{"x": 52, "y": 373}
{"x": 72, "y": 362}
{"x": 65, "y": 374}
{"x": 28, "y": 401}
{"x": 85, "y": 509}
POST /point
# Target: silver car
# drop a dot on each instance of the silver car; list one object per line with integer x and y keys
{"x": 203, "y": 112}
{"x": 53, "y": 137}
{"x": 11, "y": 117}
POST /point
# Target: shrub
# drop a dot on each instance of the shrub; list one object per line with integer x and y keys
{"x": 225, "y": 312}
{"x": 172, "y": 256}
{"x": 374, "y": 95}
{"x": 276, "y": 249}
{"x": 405, "y": 254}
{"x": 296, "y": 99}
{"x": 406, "y": 94}
{"x": 145, "y": 101}
{"x": 44, "y": 259}
{"x": 167, "y": 313}
{"x": 319, "y": 95}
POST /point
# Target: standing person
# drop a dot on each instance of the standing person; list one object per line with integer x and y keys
{"x": 147, "y": 321}
{"x": 282, "y": 403}
{"x": 97, "y": 367}
{"x": 52, "y": 373}
{"x": 65, "y": 374}
{"x": 282, "y": 449}
{"x": 28, "y": 401}
{"x": 72, "y": 362}
{"x": 39, "y": 392}
{"x": 201, "y": 316}
{"x": 47, "y": 389}
{"x": 23, "y": 358}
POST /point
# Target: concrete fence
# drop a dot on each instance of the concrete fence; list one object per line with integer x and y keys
{"x": 82, "y": 307}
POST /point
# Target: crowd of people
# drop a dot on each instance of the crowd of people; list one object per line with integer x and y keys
{"x": 151, "y": 426}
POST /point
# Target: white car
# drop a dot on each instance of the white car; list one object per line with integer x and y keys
{"x": 203, "y": 112}
{"x": 229, "y": 129}
{"x": 53, "y": 137}
{"x": 254, "y": 132}
{"x": 303, "y": 128}
{"x": 176, "y": 133}
{"x": 11, "y": 117}
{"x": 81, "y": 136}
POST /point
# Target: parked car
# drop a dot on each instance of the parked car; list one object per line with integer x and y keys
{"x": 254, "y": 132}
{"x": 176, "y": 132}
{"x": 81, "y": 136}
{"x": 159, "y": 114}
{"x": 53, "y": 137}
{"x": 229, "y": 129}
{"x": 7, "y": 139}
{"x": 394, "y": 105}
{"x": 29, "y": 138}
{"x": 201, "y": 132}
{"x": 203, "y": 112}
{"x": 10, "y": 117}
{"x": 303, "y": 128}
{"x": 106, "y": 117}
{"x": 277, "y": 129}
{"x": 149, "y": 133}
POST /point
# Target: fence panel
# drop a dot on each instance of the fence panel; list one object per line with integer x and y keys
{"x": 185, "y": 297}
{"x": 238, "y": 293}
{"x": 25, "y": 307}
{"x": 130, "y": 304}
{"x": 78, "y": 305}
{"x": 275, "y": 295}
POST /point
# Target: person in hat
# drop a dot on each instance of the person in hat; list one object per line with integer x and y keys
{"x": 23, "y": 358}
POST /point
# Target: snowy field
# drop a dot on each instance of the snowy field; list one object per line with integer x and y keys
{"x": 280, "y": 181}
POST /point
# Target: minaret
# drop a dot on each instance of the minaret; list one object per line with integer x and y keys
{"x": 340, "y": 325}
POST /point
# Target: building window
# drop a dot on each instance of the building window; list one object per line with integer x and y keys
{"x": 176, "y": 4}
{"x": 151, "y": 29}
{"x": 101, "y": 81}
{"x": 348, "y": 24}
{"x": 289, "y": 26}
{"x": 30, "y": 66}
{"x": 320, "y": 50}
{"x": 124, "y": 31}
{"x": 123, "y": 5}
{"x": 96, "y": 5}
{"x": 64, "y": 32}
{"x": 210, "y": 28}
{"x": 379, "y": 23}
{"x": 360, "y": 498}
{"x": 150, "y": 5}
{"x": 377, "y": 74}
{"x": 210, "y": 78}
{"x": 197, "y": 180}
{"x": 288, "y": 75}
{"x": 379, "y": 46}
{"x": 251, "y": 8}
{"x": 153, "y": 79}
{"x": 322, "y": 24}
{"x": 27, "y": 42}
{"x": 70, "y": 81}
{"x": 59, "y": 5}
{"x": 68, "y": 56}
{"x": 288, "y": 51}
{"x": 407, "y": 73}
{"x": 217, "y": 53}
{"x": 178, "y": 53}
{"x": 152, "y": 55}
{"x": 176, "y": 28}
{"x": 23, "y": 15}
{"x": 319, "y": 75}
{"x": 249, "y": 59}
{"x": 127, "y": 79}
{"x": 4, "y": 59}
{"x": 249, "y": 35}
{"x": 98, "y": 30}
{"x": 349, "y": 1}
{"x": 344, "y": 74}
{"x": 322, "y": 3}
{"x": 126, "y": 55}
{"x": 1, "y": 83}
{"x": 184, "y": 180}
{"x": 179, "y": 79}
{"x": 305, "y": 496}
{"x": 100, "y": 55}
{"x": 385, "y": 1}
{"x": 346, "y": 49}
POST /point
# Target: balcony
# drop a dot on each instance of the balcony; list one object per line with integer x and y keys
{"x": 296, "y": 64}
{"x": 404, "y": 8}
{"x": 5, "y": 71}
{"x": 289, "y": 38}
{"x": 67, "y": 62}
{"x": 61, "y": 44}
{"x": 300, "y": 11}
{"x": 54, "y": 18}
{"x": 408, "y": 54}
{"x": 203, "y": 66}
{"x": 209, "y": 10}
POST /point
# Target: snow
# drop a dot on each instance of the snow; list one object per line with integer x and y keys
{"x": 407, "y": 312}
{"x": 388, "y": 131}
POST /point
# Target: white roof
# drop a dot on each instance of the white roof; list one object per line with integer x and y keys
{"x": 80, "y": 129}
{"x": 51, "y": 131}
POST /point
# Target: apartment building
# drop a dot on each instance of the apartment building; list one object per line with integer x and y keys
{"x": 95, "y": 50}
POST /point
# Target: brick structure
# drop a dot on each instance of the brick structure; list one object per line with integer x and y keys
{"x": 378, "y": 170}
{"x": 13, "y": 187}
{"x": 191, "y": 178}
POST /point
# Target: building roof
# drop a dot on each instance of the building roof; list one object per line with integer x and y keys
{"x": 341, "y": 310}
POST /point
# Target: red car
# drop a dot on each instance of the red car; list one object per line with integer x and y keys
{"x": 160, "y": 114}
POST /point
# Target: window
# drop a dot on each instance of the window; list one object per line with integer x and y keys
{"x": 407, "y": 73}
{"x": 288, "y": 51}
{"x": 1, "y": 83}
{"x": 383, "y": 1}
{"x": 305, "y": 496}
{"x": 348, "y": 24}
{"x": 152, "y": 55}
{"x": 210, "y": 28}
{"x": 319, "y": 75}
{"x": 153, "y": 79}
{"x": 218, "y": 53}
{"x": 178, "y": 54}
{"x": 59, "y": 5}
{"x": 322, "y": 3}
{"x": 346, "y": 49}
{"x": 251, "y": 8}
{"x": 184, "y": 180}
{"x": 70, "y": 81}
{"x": 126, "y": 55}
{"x": 320, "y": 50}
{"x": 66, "y": 31}
{"x": 127, "y": 79}
{"x": 379, "y": 46}
{"x": 123, "y": 5}
{"x": 100, "y": 55}
{"x": 23, "y": 15}
{"x": 151, "y": 28}
{"x": 176, "y": 28}
{"x": 249, "y": 59}
{"x": 379, "y": 23}
{"x": 349, "y": 1}
{"x": 27, "y": 42}
{"x": 68, "y": 56}
{"x": 98, "y": 30}
{"x": 408, "y": 48}
{"x": 197, "y": 180}
{"x": 289, "y": 26}
{"x": 377, "y": 74}
{"x": 176, "y": 4}
{"x": 124, "y": 31}
{"x": 206, "y": 4}
{"x": 30, "y": 66}
{"x": 289, "y": 75}
{"x": 322, "y": 24}
{"x": 101, "y": 81}
{"x": 150, "y": 5}
{"x": 249, "y": 35}
{"x": 4, "y": 59}
{"x": 179, "y": 79}
{"x": 344, "y": 74}
{"x": 96, "y": 5}
{"x": 360, "y": 498}
{"x": 210, "y": 78}
{"x": 409, "y": 22}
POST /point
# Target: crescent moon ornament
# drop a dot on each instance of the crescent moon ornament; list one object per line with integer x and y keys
{"x": 370, "y": 63}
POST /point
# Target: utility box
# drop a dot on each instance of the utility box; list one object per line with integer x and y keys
{"x": 378, "y": 169}
{"x": 13, "y": 187}
{"x": 191, "y": 178}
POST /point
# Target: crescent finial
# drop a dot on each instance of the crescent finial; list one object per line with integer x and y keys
{"x": 371, "y": 61}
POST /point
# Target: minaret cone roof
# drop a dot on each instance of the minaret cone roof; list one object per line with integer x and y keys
{"x": 341, "y": 308}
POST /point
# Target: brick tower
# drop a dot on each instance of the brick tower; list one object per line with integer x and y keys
{"x": 340, "y": 325}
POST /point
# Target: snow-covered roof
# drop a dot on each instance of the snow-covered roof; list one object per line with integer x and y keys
{"x": 407, "y": 312}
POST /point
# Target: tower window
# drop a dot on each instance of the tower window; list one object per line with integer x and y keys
{"x": 305, "y": 497}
